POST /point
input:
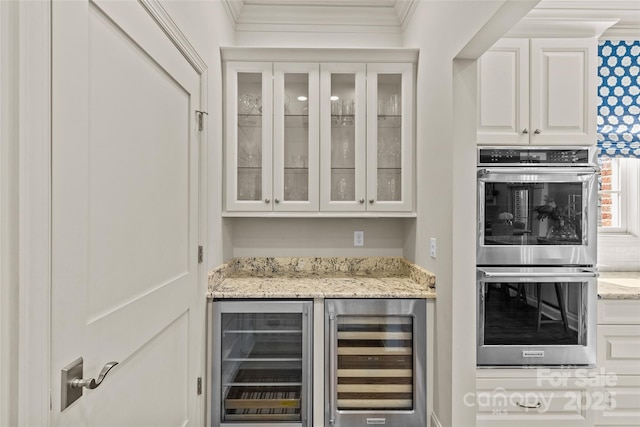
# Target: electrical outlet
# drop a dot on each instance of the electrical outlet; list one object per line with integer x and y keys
{"x": 433, "y": 247}
{"x": 358, "y": 238}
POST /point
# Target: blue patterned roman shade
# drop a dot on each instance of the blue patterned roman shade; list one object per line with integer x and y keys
{"x": 619, "y": 98}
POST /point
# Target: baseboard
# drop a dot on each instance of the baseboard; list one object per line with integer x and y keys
{"x": 434, "y": 420}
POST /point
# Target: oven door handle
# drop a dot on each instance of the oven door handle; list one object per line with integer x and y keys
{"x": 585, "y": 273}
{"x": 538, "y": 170}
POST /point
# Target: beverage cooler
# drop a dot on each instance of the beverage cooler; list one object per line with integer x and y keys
{"x": 261, "y": 363}
{"x": 375, "y": 359}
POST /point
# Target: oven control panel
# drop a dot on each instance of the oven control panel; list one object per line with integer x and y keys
{"x": 527, "y": 155}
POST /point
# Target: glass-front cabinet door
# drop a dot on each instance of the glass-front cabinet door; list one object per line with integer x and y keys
{"x": 319, "y": 137}
{"x": 296, "y": 136}
{"x": 343, "y": 137}
{"x": 248, "y": 133}
{"x": 389, "y": 137}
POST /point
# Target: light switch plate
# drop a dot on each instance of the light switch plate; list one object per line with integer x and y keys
{"x": 433, "y": 247}
{"x": 358, "y": 238}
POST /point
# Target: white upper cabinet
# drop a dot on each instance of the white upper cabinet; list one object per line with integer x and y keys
{"x": 248, "y": 129}
{"x": 319, "y": 138}
{"x": 538, "y": 91}
{"x": 390, "y": 153}
{"x": 343, "y": 137}
{"x": 296, "y": 137}
{"x": 367, "y": 137}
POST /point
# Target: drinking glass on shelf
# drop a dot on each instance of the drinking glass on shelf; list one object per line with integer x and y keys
{"x": 342, "y": 189}
{"x": 393, "y": 105}
{"x": 391, "y": 187}
{"x": 345, "y": 151}
{"x": 246, "y": 103}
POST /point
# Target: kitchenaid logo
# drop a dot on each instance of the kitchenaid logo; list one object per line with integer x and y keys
{"x": 574, "y": 389}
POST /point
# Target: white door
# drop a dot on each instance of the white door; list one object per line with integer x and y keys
{"x": 124, "y": 218}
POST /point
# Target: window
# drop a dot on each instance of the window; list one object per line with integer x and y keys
{"x": 619, "y": 192}
{"x": 619, "y": 136}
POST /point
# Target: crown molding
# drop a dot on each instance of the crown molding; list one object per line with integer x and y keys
{"x": 560, "y": 27}
{"x": 341, "y": 16}
{"x": 279, "y": 54}
{"x": 622, "y": 32}
{"x": 233, "y": 8}
{"x": 550, "y": 18}
{"x": 404, "y": 11}
{"x": 361, "y": 3}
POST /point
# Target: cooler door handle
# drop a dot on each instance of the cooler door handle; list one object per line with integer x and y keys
{"x": 332, "y": 367}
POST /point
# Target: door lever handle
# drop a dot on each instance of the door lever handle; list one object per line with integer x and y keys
{"x": 73, "y": 384}
{"x": 92, "y": 383}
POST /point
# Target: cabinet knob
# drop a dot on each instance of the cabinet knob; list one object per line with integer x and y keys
{"x": 371, "y": 201}
{"x": 537, "y": 131}
{"x": 277, "y": 200}
{"x": 267, "y": 200}
{"x": 361, "y": 201}
{"x": 525, "y": 131}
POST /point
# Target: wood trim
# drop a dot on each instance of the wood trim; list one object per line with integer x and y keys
{"x": 277, "y": 54}
{"x": 9, "y": 218}
{"x": 550, "y": 27}
{"x": 35, "y": 213}
{"x": 162, "y": 18}
{"x": 435, "y": 422}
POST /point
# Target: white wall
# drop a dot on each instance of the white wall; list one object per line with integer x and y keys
{"x": 206, "y": 26}
{"x": 446, "y": 184}
{"x": 619, "y": 253}
{"x": 316, "y": 237}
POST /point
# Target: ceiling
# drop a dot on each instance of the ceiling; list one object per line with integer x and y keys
{"x": 391, "y": 16}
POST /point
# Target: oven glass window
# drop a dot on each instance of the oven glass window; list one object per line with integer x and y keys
{"x": 541, "y": 213}
{"x": 544, "y": 313}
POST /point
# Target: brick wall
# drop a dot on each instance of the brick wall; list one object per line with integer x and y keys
{"x": 606, "y": 214}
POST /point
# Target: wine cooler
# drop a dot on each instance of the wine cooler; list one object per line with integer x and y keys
{"x": 375, "y": 355}
{"x": 261, "y": 370}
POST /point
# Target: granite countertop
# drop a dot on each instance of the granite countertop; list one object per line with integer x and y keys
{"x": 619, "y": 285}
{"x": 350, "y": 277}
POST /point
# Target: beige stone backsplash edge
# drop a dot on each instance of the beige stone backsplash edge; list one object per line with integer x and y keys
{"x": 321, "y": 266}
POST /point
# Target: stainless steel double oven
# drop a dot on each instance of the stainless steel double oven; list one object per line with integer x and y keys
{"x": 536, "y": 256}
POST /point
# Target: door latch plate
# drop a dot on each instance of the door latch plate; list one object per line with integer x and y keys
{"x": 72, "y": 371}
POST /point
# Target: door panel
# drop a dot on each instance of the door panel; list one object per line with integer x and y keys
{"x": 124, "y": 217}
{"x": 148, "y": 186}
{"x": 143, "y": 371}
